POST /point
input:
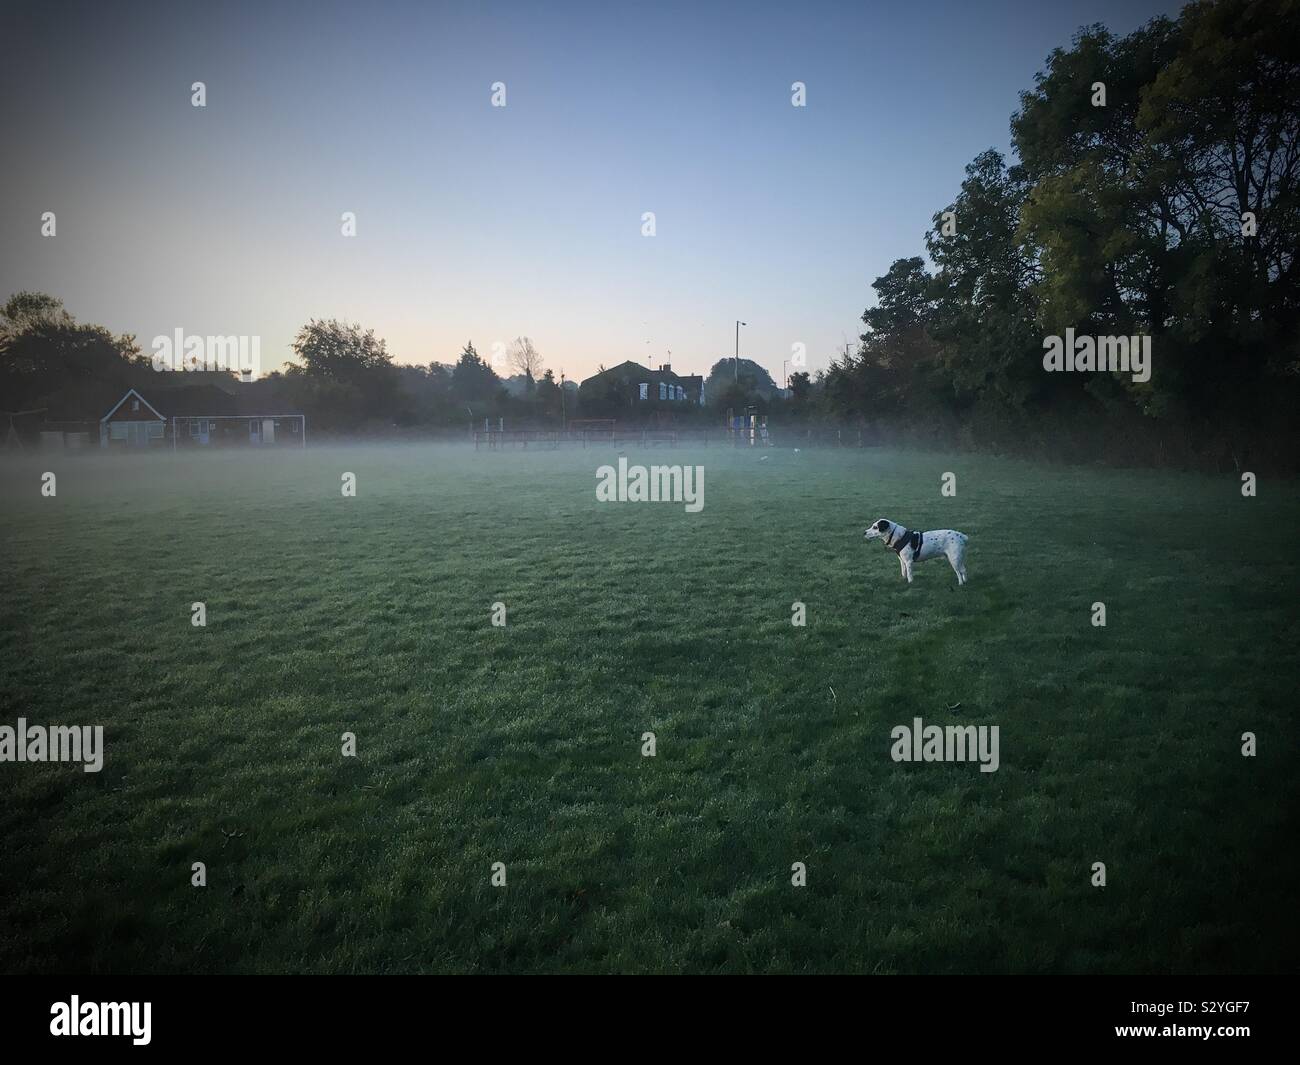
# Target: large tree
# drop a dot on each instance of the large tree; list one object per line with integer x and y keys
{"x": 44, "y": 350}
{"x": 1156, "y": 192}
{"x": 346, "y": 377}
{"x": 732, "y": 385}
{"x": 340, "y": 350}
{"x": 549, "y": 396}
{"x": 980, "y": 307}
{"x": 525, "y": 359}
{"x": 472, "y": 378}
{"x": 1172, "y": 210}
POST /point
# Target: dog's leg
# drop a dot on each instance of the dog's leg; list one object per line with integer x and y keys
{"x": 902, "y": 567}
{"x": 907, "y": 571}
{"x": 957, "y": 559}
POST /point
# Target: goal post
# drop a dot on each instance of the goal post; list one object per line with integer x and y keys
{"x": 239, "y": 430}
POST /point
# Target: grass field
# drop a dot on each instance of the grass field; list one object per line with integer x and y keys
{"x": 522, "y": 744}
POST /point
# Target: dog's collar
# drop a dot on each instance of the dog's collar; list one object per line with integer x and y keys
{"x": 912, "y": 538}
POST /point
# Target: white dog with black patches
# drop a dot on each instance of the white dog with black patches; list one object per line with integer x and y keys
{"x": 912, "y": 547}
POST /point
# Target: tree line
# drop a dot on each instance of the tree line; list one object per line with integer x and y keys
{"x": 344, "y": 378}
{"x": 1154, "y": 193}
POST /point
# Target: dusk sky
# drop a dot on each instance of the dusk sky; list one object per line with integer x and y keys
{"x": 485, "y": 223}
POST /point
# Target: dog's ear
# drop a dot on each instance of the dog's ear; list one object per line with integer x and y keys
{"x": 882, "y": 525}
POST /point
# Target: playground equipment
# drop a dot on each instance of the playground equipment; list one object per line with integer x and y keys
{"x": 748, "y": 429}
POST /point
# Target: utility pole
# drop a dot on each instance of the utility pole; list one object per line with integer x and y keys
{"x": 739, "y": 323}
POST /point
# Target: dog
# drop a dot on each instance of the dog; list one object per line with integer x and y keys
{"x": 913, "y": 547}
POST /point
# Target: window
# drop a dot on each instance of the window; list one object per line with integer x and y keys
{"x": 117, "y": 431}
{"x": 155, "y": 430}
{"x": 663, "y": 390}
{"x": 681, "y": 393}
{"x": 645, "y": 391}
{"x": 194, "y": 427}
{"x": 135, "y": 404}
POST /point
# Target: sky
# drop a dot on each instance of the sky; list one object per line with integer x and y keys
{"x": 484, "y": 223}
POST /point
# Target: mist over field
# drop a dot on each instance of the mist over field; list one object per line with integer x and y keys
{"x": 523, "y": 743}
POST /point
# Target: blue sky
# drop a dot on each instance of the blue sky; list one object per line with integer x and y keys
{"x": 484, "y": 223}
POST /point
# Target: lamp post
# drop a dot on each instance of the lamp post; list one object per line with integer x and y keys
{"x": 739, "y": 323}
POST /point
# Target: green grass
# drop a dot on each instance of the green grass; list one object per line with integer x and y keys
{"x": 522, "y": 745}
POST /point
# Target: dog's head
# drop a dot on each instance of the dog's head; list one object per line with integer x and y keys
{"x": 879, "y": 530}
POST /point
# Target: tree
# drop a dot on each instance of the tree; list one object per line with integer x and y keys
{"x": 426, "y": 391}
{"x": 979, "y": 308}
{"x": 1225, "y": 112}
{"x": 1170, "y": 212}
{"x": 720, "y": 386}
{"x": 1140, "y": 208}
{"x": 800, "y": 387}
{"x": 339, "y": 350}
{"x": 438, "y": 376}
{"x": 26, "y": 306}
{"x": 548, "y": 394}
{"x": 346, "y": 377}
{"x": 895, "y": 360}
{"x": 735, "y": 395}
{"x": 44, "y": 350}
{"x": 473, "y": 379}
{"x": 525, "y": 359}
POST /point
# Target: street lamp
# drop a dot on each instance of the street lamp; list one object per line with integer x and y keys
{"x": 739, "y": 323}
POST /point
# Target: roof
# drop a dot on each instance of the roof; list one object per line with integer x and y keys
{"x": 206, "y": 401}
{"x": 196, "y": 399}
{"x": 634, "y": 370}
{"x": 129, "y": 393}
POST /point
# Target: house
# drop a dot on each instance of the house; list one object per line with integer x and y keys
{"x": 199, "y": 415}
{"x": 205, "y": 414}
{"x": 630, "y": 384}
{"x": 132, "y": 422}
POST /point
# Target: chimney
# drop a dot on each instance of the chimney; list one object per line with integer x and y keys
{"x": 667, "y": 367}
